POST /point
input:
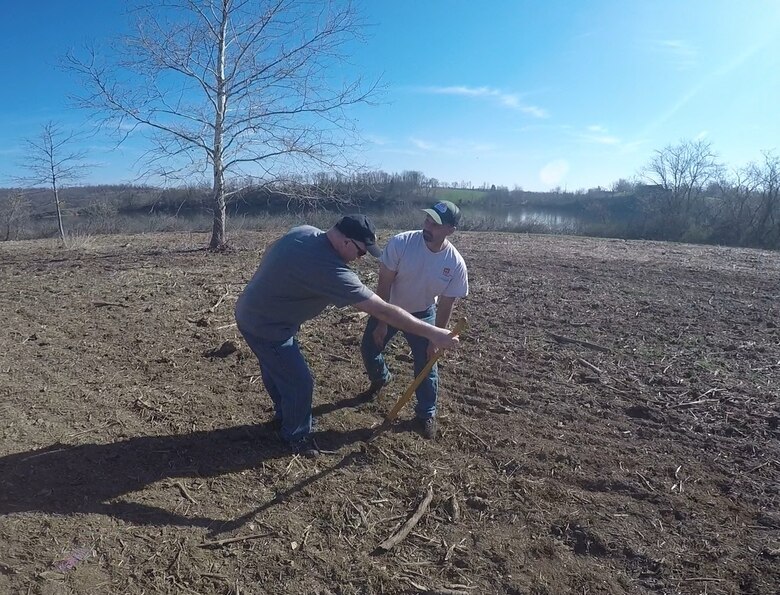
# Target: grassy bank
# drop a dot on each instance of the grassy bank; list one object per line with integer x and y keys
{"x": 397, "y": 218}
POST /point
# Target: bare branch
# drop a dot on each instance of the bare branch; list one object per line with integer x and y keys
{"x": 238, "y": 87}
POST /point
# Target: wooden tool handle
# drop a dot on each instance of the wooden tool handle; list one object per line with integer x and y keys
{"x": 407, "y": 396}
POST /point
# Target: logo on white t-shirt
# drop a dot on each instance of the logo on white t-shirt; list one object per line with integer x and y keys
{"x": 446, "y": 272}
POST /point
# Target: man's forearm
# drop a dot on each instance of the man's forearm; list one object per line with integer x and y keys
{"x": 443, "y": 317}
{"x": 444, "y": 312}
{"x": 402, "y": 320}
{"x": 385, "y": 283}
{"x": 396, "y": 317}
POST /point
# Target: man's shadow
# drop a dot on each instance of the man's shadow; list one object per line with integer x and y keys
{"x": 357, "y": 402}
{"x": 92, "y": 478}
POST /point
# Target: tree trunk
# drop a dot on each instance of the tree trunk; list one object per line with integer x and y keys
{"x": 218, "y": 235}
{"x": 59, "y": 212}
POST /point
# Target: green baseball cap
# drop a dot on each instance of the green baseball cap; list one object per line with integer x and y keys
{"x": 444, "y": 213}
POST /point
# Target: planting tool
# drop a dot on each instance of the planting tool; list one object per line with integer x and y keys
{"x": 407, "y": 396}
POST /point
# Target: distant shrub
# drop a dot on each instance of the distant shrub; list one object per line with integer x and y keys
{"x": 696, "y": 234}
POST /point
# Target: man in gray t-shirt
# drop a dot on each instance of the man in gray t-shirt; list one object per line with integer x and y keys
{"x": 300, "y": 274}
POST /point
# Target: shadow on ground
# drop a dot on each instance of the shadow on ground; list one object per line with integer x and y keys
{"x": 92, "y": 478}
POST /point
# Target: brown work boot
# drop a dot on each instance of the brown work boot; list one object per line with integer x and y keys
{"x": 426, "y": 427}
{"x": 305, "y": 446}
{"x": 372, "y": 392}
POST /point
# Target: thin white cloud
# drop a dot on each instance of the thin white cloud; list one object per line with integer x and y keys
{"x": 553, "y": 173}
{"x": 482, "y": 147}
{"x": 599, "y": 135}
{"x": 423, "y": 145}
{"x": 632, "y": 147}
{"x": 678, "y": 52}
{"x": 538, "y": 127}
{"x": 400, "y": 151}
{"x": 451, "y": 146}
{"x": 510, "y": 100}
{"x": 602, "y": 139}
{"x": 380, "y": 141}
{"x": 468, "y": 91}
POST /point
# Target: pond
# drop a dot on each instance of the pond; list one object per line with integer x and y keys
{"x": 555, "y": 220}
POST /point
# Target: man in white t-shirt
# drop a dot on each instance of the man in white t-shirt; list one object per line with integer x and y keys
{"x": 423, "y": 273}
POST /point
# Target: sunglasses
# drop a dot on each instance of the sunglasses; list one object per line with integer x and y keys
{"x": 360, "y": 251}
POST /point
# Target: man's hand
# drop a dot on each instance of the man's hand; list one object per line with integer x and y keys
{"x": 379, "y": 334}
{"x": 441, "y": 338}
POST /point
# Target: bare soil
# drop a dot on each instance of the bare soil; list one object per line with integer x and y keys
{"x": 610, "y": 424}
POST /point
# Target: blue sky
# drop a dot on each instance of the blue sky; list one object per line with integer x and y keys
{"x": 535, "y": 94}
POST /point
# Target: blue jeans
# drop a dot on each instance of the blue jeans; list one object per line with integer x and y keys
{"x": 289, "y": 383}
{"x": 377, "y": 369}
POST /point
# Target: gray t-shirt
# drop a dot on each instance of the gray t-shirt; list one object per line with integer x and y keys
{"x": 299, "y": 275}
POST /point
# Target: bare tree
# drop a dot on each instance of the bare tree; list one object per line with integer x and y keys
{"x": 14, "y": 210}
{"x": 240, "y": 87}
{"x": 683, "y": 171}
{"x": 762, "y": 184}
{"x": 623, "y": 185}
{"x": 735, "y": 211}
{"x": 51, "y": 161}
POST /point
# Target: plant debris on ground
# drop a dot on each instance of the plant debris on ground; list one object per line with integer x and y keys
{"x": 610, "y": 424}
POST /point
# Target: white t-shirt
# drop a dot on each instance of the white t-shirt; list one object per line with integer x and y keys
{"x": 422, "y": 275}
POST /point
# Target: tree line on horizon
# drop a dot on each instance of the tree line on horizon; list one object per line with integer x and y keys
{"x": 684, "y": 193}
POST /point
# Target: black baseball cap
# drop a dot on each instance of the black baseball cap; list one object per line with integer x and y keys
{"x": 444, "y": 213}
{"x": 360, "y": 228}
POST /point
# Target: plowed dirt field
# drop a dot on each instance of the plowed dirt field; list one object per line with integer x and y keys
{"x": 610, "y": 424}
